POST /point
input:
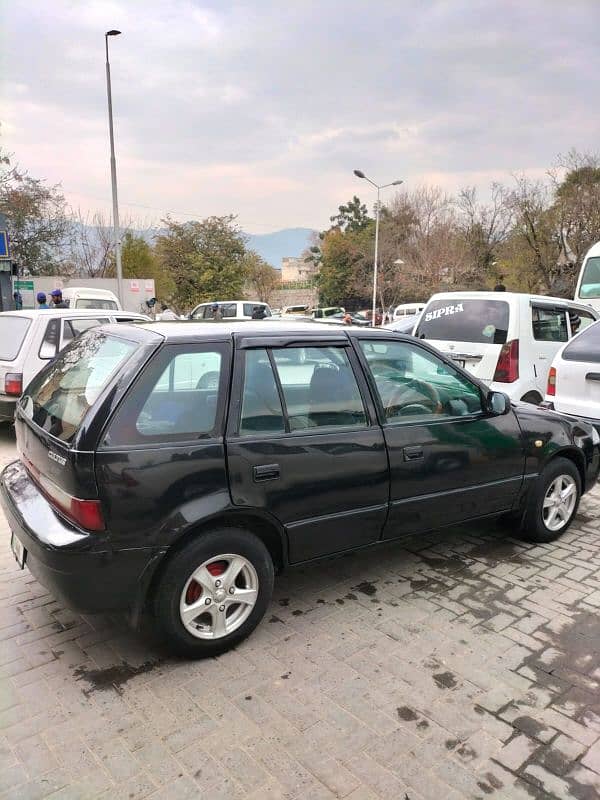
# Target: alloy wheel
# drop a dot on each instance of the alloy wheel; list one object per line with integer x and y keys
{"x": 559, "y": 502}
{"x": 219, "y": 596}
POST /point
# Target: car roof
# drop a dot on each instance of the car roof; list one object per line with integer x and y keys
{"x": 68, "y": 312}
{"x": 490, "y": 295}
{"x": 182, "y": 330}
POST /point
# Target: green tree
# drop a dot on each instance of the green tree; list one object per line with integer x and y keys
{"x": 342, "y": 256}
{"x": 351, "y": 217}
{"x": 261, "y": 278}
{"x": 139, "y": 261}
{"x": 205, "y": 260}
{"x": 37, "y": 220}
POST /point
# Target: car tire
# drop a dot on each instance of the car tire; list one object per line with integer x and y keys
{"x": 203, "y": 577}
{"x": 553, "y": 501}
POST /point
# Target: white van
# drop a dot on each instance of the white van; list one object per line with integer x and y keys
{"x": 84, "y": 297}
{"x": 407, "y": 310}
{"x": 232, "y": 309}
{"x": 588, "y": 283}
{"x": 506, "y": 339}
{"x": 29, "y": 339}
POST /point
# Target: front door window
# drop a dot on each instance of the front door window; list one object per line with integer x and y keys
{"x": 414, "y": 385}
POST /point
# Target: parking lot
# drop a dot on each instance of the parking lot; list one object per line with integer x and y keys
{"x": 462, "y": 664}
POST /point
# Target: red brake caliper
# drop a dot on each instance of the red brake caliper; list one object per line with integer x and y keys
{"x": 194, "y": 590}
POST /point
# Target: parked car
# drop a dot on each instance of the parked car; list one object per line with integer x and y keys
{"x": 402, "y": 324}
{"x": 230, "y": 309}
{"x": 84, "y": 297}
{"x": 298, "y": 310}
{"x": 340, "y": 318}
{"x": 178, "y": 467}
{"x": 407, "y": 310}
{"x": 29, "y": 339}
{"x": 588, "y": 284}
{"x": 574, "y": 377}
{"x": 506, "y": 339}
{"x": 327, "y": 311}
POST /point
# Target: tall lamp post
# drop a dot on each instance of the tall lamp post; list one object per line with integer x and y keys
{"x": 362, "y": 175}
{"x": 113, "y": 173}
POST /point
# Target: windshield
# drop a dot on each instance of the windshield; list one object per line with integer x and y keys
{"x": 12, "y": 334}
{"x": 457, "y": 320}
{"x": 59, "y": 397}
{"x": 590, "y": 282}
{"x": 94, "y": 302}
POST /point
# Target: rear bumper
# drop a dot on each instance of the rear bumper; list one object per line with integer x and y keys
{"x": 79, "y": 568}
{"x": 7, "y": 408}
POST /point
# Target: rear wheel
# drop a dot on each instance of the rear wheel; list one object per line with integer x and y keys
{"x": 553, "y": 501}
{"x": 214, "y": 592}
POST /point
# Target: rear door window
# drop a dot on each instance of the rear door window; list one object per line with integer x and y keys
{"x": 549, "y": 324}
{"x": 261, "y": 405}
{"x": 75, "y": 327}
{"x": 319, "y": 388}
{"x": 457, "y": 320}
{"x": 175, "y": 399}
{"x": 59, "y": 397}
{"x": 49, "y": 345}
{"x": 13, "y": 330}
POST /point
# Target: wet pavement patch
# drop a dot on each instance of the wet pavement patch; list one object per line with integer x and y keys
{"x": 102, "y": 680}
{"x": 445, "y": 680}
{"x": 276, "y": 619}
{"x": 366, "y": 587}
{"x": 407, "y": 714}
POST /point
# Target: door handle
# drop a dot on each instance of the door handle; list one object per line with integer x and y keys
{"x": 266, "y": 472}
{"x": 593, "y": 376}
{"x": 412, "y": 453}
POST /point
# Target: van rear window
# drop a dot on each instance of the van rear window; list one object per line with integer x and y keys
{"x": 59, "y": 396}
{"x": 457, "y": 320}
{"x": 94, "y": 302}
{"x": 12, "y": 335}
{"x": 585, "y": 347}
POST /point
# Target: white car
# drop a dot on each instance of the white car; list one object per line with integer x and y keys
{"x": 231, "y": 309}
{"x": 85, "y": 297}
{"x": 30, "y": 339}
{"x": 506, "y": 339}
{"x": 407, "y": 310}
{"x": 574, "y": 377}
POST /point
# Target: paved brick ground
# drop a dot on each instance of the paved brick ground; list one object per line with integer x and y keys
{"x": 465, "y": 664}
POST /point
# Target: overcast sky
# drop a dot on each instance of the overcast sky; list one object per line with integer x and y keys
{"x": 264, "y": 109}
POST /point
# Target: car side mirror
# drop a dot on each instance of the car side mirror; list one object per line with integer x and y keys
{"x": 497, "y": 403}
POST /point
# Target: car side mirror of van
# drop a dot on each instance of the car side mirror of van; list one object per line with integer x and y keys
{"x": 497, "y": 403}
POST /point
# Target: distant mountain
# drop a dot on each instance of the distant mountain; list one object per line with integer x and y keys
{"x": 274, "y": 246}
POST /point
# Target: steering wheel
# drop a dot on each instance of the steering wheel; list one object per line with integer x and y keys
{"x": 428, "y": 403}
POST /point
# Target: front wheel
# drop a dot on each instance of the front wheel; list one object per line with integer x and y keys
{"x": 553, "y": 501}
{"x": 214, "y": 592}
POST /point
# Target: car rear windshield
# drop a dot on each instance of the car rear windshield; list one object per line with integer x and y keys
{"x": 12, "y": 335}
{"x": 91, "y": 302}
{"x": 59, "y": 397}
{"x": 590, "y": 282}
{"x": 457, "y": 320}
{"x": 585, "y": 347}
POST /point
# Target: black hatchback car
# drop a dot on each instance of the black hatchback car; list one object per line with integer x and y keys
{"x": 176, "y": 467}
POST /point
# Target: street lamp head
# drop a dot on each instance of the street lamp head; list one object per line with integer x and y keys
{"x": 359, "y": 174}
{"x": 397, "y": 183}
{"x": 113, "y": 33}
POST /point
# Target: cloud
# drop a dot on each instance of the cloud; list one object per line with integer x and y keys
{"x": 265, "y": 108}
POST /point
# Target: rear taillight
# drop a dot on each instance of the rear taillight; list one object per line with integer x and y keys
{"x": 84, "y": 513}
{"x": 551, "y": 388}
{"x": 13, "y": 383}
{"x": 507, "y": 368}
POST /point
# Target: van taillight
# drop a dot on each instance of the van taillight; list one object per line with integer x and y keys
{"x": 551, "y": 388}
{"x": 13, "y": 383}
{"x": 507, "y": 368}
{"x": 84, "y": 513}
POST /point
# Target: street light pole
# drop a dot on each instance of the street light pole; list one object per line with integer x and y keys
{"x": 113, "y": 174}
{"x": 362, "y": 175}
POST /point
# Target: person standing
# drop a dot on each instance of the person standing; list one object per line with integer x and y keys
{"x": 57, "y": 299}
{"x": 166, "y": 314}
{"x": 42, "y": 300}
{"x": 17, "y": 297}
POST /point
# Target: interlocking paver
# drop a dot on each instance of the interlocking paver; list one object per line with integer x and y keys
{"x": 472, "y": 671}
